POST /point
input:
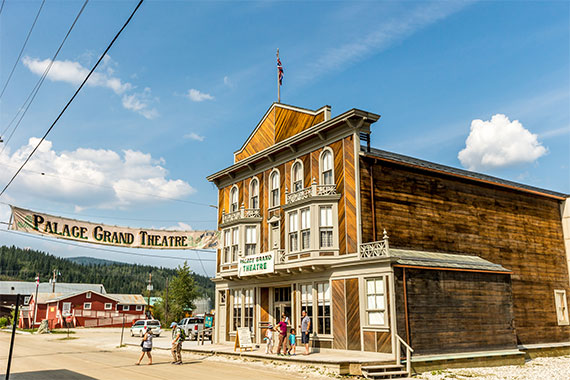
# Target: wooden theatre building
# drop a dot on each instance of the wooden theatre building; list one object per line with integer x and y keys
{"x": 380, "y": 247}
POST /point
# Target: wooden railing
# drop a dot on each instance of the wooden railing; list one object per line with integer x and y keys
{"x": 376, "y": 248}
{"x": 242, "y": 213}
{"x": 312, "y": 191}
{"x": 409, "y": 350}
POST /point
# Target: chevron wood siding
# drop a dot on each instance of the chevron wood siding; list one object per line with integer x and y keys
{"x": 337, "y": 149}
{"x": 383, "y": 342}
{"x": 339, "y": 314}
{"x": 288, "y": 122}
{"x": 350, "y": 195}
{"x": 262, "y": 138}
{"x": 521, "y": 231}
{"x": 369, "y": 340}
{"x": 352, "y": 314}
{"x": 264, "y": 304}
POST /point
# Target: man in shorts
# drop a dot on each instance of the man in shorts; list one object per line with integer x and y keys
{"x": 305, "y": 329}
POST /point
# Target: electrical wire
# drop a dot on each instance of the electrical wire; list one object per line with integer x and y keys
{"x": 74, "y": 96}
{"x": 108, "y": 250}
{"x": 26, "y": 105}
{"x": 23, "y": 47}
{"x": 2, "y": 6}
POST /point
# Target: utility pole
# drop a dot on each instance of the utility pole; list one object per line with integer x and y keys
{"x": 166, "y": 302}
{"x": 149, "y": 288}
{"x": 54, "y": 280}
{"x": 16, "y": 317}
{"x": 36, "y": 300}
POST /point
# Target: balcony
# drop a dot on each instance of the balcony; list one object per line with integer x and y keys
{"x": 310, "y": 192}
{"x": 243, "y": 214}
{"x": 375, "y": 249}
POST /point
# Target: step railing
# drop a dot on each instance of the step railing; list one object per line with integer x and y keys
{"x": 409, "y": 350}
{"x": 202, "y": 334}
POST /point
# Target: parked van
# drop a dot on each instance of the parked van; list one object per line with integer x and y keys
{"x": 139, "y": 327}
{"x": 193, "y": 326}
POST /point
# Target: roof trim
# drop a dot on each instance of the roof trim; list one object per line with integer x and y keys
{"x": 69, "y": 295}
{"x": 456, "y": 172}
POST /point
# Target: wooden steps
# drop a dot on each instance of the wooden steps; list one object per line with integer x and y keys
{"x": 384, "y": 371}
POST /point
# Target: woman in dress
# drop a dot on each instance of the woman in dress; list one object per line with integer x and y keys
{"x": 146, "y": 345}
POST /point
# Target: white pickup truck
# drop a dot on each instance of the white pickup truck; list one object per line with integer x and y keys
{"x": 193, "y": 326}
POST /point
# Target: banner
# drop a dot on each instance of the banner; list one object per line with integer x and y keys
{"x": 257, "y": 264}
{"x": 87, "y": 232}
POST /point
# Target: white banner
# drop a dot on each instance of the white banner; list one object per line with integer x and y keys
{"x": 87, "y": 232}
{"x": 257, "y": 264}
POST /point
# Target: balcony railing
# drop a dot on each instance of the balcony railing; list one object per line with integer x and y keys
{"x": 242, "y": 213}
{"x": 309, "y": 192}
{"x": 376, "y": 248}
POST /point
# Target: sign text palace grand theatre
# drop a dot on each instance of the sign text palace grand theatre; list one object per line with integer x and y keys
{"x": 71, "y": 229}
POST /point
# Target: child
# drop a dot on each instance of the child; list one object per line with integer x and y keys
{"x": 292, "y": 344}
{"x": 269, "y": 339}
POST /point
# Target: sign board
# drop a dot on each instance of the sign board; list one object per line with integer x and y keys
{"x": 69, "y": 319}
{"x": 208, "y": 321}
{"x": 256, "y": 264}
{"x": 243, "y": 339}
{"x": 96, "y": 233}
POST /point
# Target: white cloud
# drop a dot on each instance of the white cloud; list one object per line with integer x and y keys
{"x": 140, "y": 103}
{"x": 499, "y": 143}
{"x": 89, "y": 178}
{"x": 228, "y": 82}
{"x": 197, "y": 96}
{"x": 194, "y": 136}
{"x": 181, "y": 226}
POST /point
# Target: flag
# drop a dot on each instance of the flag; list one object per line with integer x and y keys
{"x": 280, "y": 69}
{"x": 37, "y": 280}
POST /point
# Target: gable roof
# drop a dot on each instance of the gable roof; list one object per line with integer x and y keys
{"x": 63, "y": 296}
{"x": 278, "y": 123}
{"x": 29, "y": 287}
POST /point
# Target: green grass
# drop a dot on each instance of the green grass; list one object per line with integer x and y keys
{"x": 68, "y": 338}
{"x": 62, "y": 331}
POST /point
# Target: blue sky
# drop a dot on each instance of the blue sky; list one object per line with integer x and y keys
{"x": 187, "y": 82}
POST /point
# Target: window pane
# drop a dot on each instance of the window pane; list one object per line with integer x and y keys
{"x": 376, "y": 318}
{"x": 305, "y": 218}
{"x": 371, "y": 303}
{"x": 369, "y": 286}
{"x": 380, "y": 302}
{"x": 379, "y": 286}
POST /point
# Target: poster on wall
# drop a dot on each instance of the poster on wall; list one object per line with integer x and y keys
{"x": 86, "y": 232}
{"x": 256, "y": 264}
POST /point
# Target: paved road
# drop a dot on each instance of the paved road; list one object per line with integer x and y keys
{"x": 49, "y": 357}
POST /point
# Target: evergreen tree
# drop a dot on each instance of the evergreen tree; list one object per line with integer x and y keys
{"x": 182, "y": 292}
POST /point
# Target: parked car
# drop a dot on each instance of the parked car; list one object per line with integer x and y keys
{"x": 139, "y": 327}
{"x": 193, "y": 326}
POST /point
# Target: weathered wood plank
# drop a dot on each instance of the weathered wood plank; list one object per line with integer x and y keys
{"x": 352, "y": 314}
{"x": 339, "y": 314}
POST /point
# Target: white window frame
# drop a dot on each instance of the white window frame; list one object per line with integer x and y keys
{"x": 139, "y": 308}
{"x": 126, "y": 307}
{"x": 226, "y": 251}
{"x": 322, "y": 167}
{"x": 66, "y": 305}
{"x": 274, "y": 190}
{"x": 297, "y": 184}
{"x": 86, "y": 305}
{"x": 305, "y": 229}
{"x": 108, "y": 306}
{"x": 326, "y": 225}
{"x": 248, "y": 311}
{"x": 293, "y": 227}
{"x": 561, "y": 308}
{"x": 383, "y": 309}
{"x": 235, "y": 244}
{"x": 234, "y": 198}
{"x": 254, "y": 195}
{"x": 237, "y": 303}
{"x": 88, "y": 295}
{"x": 324, "y": 299}
{"x": 251, "y": 240}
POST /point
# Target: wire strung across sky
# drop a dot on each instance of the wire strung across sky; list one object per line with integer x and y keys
{"x": 23, "y": 47}
{"x": 24, "y": 108}
{"x": 73, "y": 97}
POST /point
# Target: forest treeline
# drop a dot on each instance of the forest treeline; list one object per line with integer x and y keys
{"x": 23, "y": 265}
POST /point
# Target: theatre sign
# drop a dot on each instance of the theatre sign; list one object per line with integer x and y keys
{"x": 256, "y": 264}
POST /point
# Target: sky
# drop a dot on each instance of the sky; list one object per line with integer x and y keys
{"x": 483, "y": 86}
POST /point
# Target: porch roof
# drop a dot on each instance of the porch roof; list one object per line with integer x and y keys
{"x": 444, "y": 260}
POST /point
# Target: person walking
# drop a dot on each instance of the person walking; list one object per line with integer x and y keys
{"x": 146, "y": 345}
{"x": 269, "y": 339}
{"x": 305, "y": 329}
{"x": 282, "y": 327}
{"x": 177, "y": 339}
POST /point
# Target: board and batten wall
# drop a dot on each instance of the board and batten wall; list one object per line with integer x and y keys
{"x": 429, "y": 211}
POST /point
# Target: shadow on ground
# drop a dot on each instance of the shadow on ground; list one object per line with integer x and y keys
{"x": 60, "y": 374}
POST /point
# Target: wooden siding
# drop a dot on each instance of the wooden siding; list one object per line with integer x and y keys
{"x": 520, "y": 231}
{"x": 455, "y": 311}
{"x": 383, "y": 342}
{"x": 262, "y": 138}
{"x": 350, "y": 195}
{"x": 264, "y": 304}
{"x": 352, "y": 314}
{"x": 339, "y": 314}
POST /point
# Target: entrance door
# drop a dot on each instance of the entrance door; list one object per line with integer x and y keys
{"x": 282, "y": 303}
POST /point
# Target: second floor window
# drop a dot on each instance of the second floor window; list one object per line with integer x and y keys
{"x": 326, "y": 227}
{"x": 227, "y": 245}
{"x": 250, "y": 240}
{"x": 293, "y": 232}
{"x": 297, "y": 175}
{"x": 233, "y": 199}
{"x": 305, "y": 228}
{"x": 254, "y": 194}
{"x": 327, "y": 168}
{"x": 235, "y": 243}
{"x": 274, "y": 189}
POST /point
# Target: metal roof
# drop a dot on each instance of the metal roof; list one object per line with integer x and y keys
{"x": 63, "y": 296}
{"x": 129, "y": 299}
{"x": 443, "y": 260}
{"x": 24, "y": 287}
{"x": 411, "y": 161}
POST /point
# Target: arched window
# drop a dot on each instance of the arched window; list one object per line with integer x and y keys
{"x": 274, "y": 188}
{"x": 234, "y": 199}
{"x": 254, "y": 193}
{"x": 327, "y": 175}
{"x": 297, "y": 176}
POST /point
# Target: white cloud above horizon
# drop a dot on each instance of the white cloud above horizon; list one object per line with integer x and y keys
{"x": 198, "y": 96}
{"x": 140, "y": 102}
{"x": 194, "y": 136}
{"x": 499, "y": 143}
{"x": 91, "y": 178}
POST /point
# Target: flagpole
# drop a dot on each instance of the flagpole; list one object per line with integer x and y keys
{"x": 278, "y": 84}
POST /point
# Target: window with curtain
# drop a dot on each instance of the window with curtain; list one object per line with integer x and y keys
{"x": 323, "y": 308}
{"x": 254, "y": 194}
{"x": 274, "y": 189}
{"x": 227, "y": 245}
{"x": 327, "y": 168}
{"x": 305, "y": 228}
{"x": 293, "y": 231}
{"x": 235, "y": 244}
{"x": 237, "y": 309}
{"x": 233, "y": 199}
{"x": 325, "y": 227}
{"x": 375, "y": 309}
{"x": 297, "y": 175}
{"x": 250, "y": 240}
{"x": 248, "y": 309}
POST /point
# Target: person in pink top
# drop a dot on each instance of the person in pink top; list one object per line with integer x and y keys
{"x": 282, "y": 328}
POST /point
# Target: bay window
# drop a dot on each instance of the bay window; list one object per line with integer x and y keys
{"x": 235, "y": 244}
{"x": 227, "y": 246}
{"x": 305, "y": 228}
{"x": 250, "y": 240}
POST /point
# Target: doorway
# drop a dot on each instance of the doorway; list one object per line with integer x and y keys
{"x": 282, "y": 303}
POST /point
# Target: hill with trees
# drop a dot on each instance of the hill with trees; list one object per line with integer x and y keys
{"x": 23, "y": 264}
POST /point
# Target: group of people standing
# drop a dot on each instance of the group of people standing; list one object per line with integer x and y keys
{"x": 287, "y": 344}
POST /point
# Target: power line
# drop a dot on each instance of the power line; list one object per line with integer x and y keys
{"x": 74, "y": 95}
{"x": 35, "y": 90}
{"x": 106, "y": 249}
{"x": 2, "y": 6}
{"x": 23, "y": 46}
